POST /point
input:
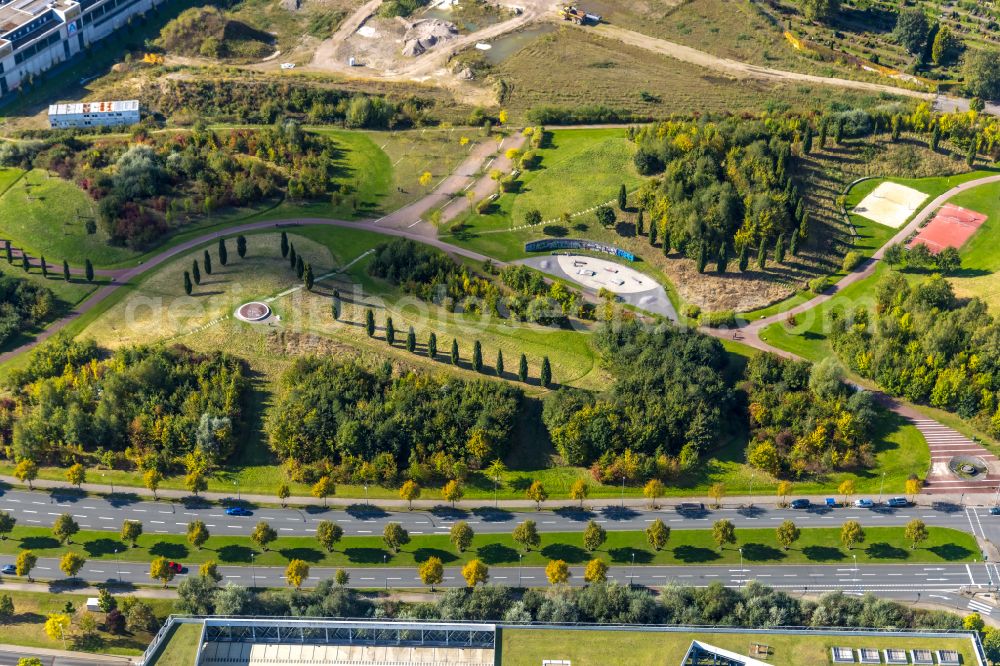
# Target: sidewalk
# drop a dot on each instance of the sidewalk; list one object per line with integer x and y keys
{"x": 58, "y": 586}
{"x": 728, "y": 502}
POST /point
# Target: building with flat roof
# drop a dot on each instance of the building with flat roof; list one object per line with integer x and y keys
{"x": 289, "y": 641}
{"x": 94, "y": 114}
{"x": 36, "y": 35}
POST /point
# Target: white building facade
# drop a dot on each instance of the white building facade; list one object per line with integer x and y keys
{"x": 36, "y": 35}
{"x": 94, "y": 114}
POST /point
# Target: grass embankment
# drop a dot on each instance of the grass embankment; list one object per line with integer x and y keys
{"x": 638, "y": 81}
{"x": 883, "y": 545}
{"x": 32, "y": 608}
{"x": 524, "y": 647}
{"x": 980, "y": 274}
{"x": 379, "y": 172}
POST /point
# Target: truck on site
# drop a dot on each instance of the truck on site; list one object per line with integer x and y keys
{"x": 577, "y": 15}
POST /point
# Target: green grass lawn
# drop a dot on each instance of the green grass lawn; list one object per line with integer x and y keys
{"x": 980, "y": 274}
{"x": 182, "y": 646}
{"x": 883, "y": 545}
{"x": 529, "y": 647}
{"x": 47, "y": 215}
{"x": 32, "y": 608}
{"x": 577, "y": 169}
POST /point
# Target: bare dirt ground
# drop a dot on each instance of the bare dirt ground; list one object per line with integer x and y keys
{"x": 333, "y": 54}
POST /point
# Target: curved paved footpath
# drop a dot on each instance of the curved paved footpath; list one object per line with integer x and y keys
{"x": 405, "y": 223}
{"x": 943, "y": 442}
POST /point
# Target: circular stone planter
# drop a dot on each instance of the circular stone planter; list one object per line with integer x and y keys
{"x": 253, "y": 312}
{"x": 968, "y": 467}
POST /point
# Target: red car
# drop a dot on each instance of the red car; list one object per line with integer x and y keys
{"x": 175, "y": 567}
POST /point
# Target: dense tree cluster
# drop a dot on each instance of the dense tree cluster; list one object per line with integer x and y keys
{"x": 23, "y": 305}
{"x": 805, "y": 420}
{"x": 921, "y": 342}
{"x": 726, "y": 188}
{"x": 753, "y": 605}
{"x": 154, "y": 405}
{"x": 267, "y": 101}
{"x": 664, "y": 409}
{"x": 361, "y": 424}
{"x": 522, "y": 293}
{"x": 540, "y": 302}
{"x": 152, "y": 183}
{"x": 432, "y": 275}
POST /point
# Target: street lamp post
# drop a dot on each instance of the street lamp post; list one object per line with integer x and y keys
{"x": 520, "y": 556}
{"x": 855, "y": 563}
{"x": 741, "y": 568}
{"x": 253, "y": 571}
{"x": 366, "y": 494}
{"x": 236, "y": 484}
{"x": 118, "y": 565}
{"x": 384, "y": 556}
{"x": 751, "y": 488}
{"x": 623, "y": 491}
{"x": 631, "y": 573}
{"x": 496, "y": 492}
{"x": 880, "y": 488}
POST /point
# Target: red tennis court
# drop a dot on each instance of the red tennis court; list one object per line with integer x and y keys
{"x": 951, "y": 227}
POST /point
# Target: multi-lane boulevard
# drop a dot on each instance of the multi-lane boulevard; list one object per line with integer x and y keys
{"x": 94, "y": 512}
{"x": 937, "y": 583}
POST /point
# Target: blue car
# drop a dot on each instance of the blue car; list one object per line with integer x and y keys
{"x": 238, "y": 511}
{"x": 800, "y": 504}
{"x": 897, "y": 502}
{"x": 9, "y": 569}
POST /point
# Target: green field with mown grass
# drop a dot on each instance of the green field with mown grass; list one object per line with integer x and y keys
{"x": 32, "y": 608}
{"x": 529, "y": 647}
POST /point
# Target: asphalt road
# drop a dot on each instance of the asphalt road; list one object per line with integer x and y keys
{"x": 37, "y": 508}
{"x": 941, "y": 583}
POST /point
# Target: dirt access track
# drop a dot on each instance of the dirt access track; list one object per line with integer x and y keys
{"x": 432, "y": 66}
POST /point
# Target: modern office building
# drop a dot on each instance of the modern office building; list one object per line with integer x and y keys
{"x": 94, "y": 114}
{"x": 36, "y": 35}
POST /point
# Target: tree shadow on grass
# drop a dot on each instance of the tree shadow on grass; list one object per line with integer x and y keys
{"x": 171, "y": 551}
{"x": 758, "y": 552}
{"x": 422, "y": 555}
{"x": 311, "y": 555}
{"x": 105, "y": 546}
{"x": 624, "y": 555}
{"x": 884, "y": 551}
{"x": 823, "y": 554}
{"x": 951, "y": 552}
{"x": 565, "y": 552}
{"x": 367, "y": 555}
{"x": 496, "y": 553}
{"x": 695, "y": 554}
{"x": 39, "y": 542}
{"x": 235, "y": 553}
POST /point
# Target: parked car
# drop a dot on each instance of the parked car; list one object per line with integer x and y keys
{"x": 995, "y": 510}
{"x": 897, "y": 502}
{"x": 690, "y": 507}
{"x": 9, "y": 569}
{"x": 800, "y": 504}
{"x": 238, "y": 511}
{"x": 864, "y": 503}
{"x": 175, "y": 567}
